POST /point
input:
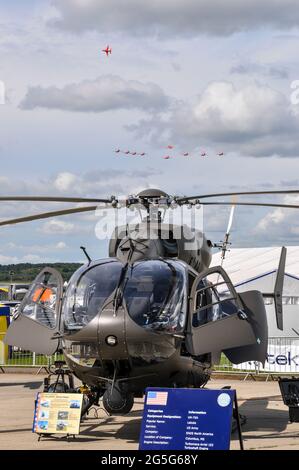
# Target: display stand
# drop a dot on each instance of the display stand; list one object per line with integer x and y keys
{"x": 67, "y": 436}
{"x": 236, "y": 416}
{"x": 61, "y": 374}
{"x": 57, "y": 413}
{"x": 189, "y": 419}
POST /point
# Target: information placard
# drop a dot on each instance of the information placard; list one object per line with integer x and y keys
{"x": 57, "y": 413}
{"x": 186, "y": 419}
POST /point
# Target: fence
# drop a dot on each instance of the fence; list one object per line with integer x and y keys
{"x": 282, "y": 358}
{"x": 19, "y": 358}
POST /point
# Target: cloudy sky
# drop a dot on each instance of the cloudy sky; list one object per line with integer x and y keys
{"x": 198, "y": 74}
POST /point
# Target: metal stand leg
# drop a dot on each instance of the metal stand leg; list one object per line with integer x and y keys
{"x": 41, "y": 368}
{"x": 237, "y": 417}
{"x": 249, "y": 374}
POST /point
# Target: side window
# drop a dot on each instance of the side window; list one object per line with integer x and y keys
{"x": 213, "y": 298}
{"x": 41, "y": 300}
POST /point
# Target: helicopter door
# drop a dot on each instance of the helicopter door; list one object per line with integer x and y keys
{"x": 36, "y": 323}
{"x": 216, "y": 320}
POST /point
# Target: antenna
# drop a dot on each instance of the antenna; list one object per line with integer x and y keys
{"x": 86, "y": 254}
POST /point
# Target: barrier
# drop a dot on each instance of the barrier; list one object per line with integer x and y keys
{"x": 282, "y": 358}
{"x": 19, "y": 358}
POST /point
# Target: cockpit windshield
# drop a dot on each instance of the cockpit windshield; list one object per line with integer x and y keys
{"x": 155, "y": 294}
{"x": 153, "y": 291}
{"x": 87, "y": 291}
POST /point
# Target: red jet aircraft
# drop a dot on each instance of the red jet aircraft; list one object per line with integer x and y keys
{"x": 220, "y": 154}
{"x": 107, "y": 51}
{"x": 203, "y": 154}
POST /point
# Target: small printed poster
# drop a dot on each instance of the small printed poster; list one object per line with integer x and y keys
{"x": 57, "y": 413}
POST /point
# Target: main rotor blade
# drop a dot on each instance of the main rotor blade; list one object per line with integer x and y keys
{"x": 51, "y": 199}
{"x": 262, "y": 204}
{"x": 204, "y": 196}
{"x": 47, "y": 215}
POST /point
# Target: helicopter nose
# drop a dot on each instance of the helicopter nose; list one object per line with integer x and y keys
{"x": 112, "y": 334}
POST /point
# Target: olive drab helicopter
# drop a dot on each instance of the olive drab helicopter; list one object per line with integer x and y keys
{"x": 151, "y": 314}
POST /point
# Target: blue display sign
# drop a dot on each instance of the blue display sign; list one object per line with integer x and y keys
{"x": 186, "y": 419}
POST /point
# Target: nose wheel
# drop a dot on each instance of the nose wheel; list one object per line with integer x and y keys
{"x": 116, "y": 401}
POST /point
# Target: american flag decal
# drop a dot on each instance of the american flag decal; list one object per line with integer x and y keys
{"x": 157, "y": 398}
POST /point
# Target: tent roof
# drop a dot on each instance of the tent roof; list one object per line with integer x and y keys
{"x": 246, "y": 264}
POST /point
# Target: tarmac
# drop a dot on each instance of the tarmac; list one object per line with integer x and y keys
{"x": 267, "y": 420}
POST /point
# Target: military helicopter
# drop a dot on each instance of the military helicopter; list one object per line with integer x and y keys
{"x": 151, "y": 314}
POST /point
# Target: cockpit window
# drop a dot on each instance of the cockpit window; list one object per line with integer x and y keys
{"x": 87, "y": 291}
{"x": 40, "y": 301}
{"x": 155, "y": 294}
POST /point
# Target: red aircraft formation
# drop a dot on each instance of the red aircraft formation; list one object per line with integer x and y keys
{"x": 128, "y": 152}
{"x": 166, "y": 156}
{"x": 187, "y": 154}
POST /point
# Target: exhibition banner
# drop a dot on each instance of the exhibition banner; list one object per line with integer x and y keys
{"x": 282, "y": 357}
{"x": 57, "y": 413}
{"x": 186, "y": 419}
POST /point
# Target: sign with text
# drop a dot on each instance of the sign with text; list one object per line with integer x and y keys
{"x": 57, "y": 413}
{"x": 282, "y": 357}
{"x": 186, "y": 419}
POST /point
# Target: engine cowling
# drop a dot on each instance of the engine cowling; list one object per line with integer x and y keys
{"x": 155, "y": 240}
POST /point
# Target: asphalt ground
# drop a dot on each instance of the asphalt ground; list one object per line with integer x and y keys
{"x": 267, "y": 420}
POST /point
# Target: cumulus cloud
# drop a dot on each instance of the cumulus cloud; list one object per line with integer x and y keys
{"x": 255, "y": 120}
{"x": 106, "y": 93}
{"x": 281, "y": 224}
{"x": 175, "y": 17}
{"x": 64, "y": 181}
{"x": 56, "y": 226}
{"x": 60, "y": 245}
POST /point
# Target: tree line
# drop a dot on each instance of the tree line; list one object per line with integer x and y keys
{"x": 26, "y": 272}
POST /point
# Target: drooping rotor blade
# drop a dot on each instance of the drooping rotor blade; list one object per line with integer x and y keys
{"x": 261, "y": 204}
{"x": 47, "y": 215}
{"x": 51, "y": 199}
{"x": 241, "y": 193}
